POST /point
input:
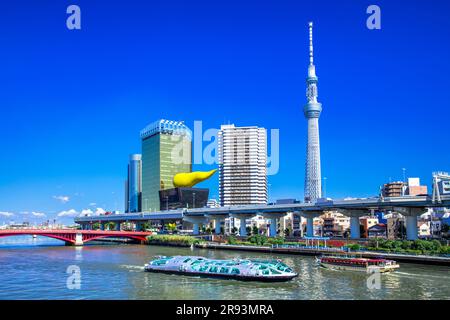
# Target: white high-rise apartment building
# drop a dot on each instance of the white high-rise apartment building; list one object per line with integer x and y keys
{"x": 242, "y": 155}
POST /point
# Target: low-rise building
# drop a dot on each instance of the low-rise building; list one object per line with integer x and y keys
{"x": 335, "y": 224}
{"x": 377, "y": 231}
{"x": 414, "y": 188}
{"x": 366, "y": 223}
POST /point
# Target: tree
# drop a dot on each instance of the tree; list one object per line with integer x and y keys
{"x": 172, "y": 227}
{"x": 110, "y": 225}
{"x": 255, "y": 230}
{"x": 249, "y": 230}
{"x": 287, "y": 232}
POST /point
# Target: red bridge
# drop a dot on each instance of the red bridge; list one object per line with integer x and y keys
{"x": 76, "y": 237}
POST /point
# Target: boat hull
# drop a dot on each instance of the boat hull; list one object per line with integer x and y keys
{"x": 225, "y": 276}
{"x": 360, "y": 269}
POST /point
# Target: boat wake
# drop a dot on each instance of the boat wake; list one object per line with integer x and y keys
{"x": 132, "y": 268}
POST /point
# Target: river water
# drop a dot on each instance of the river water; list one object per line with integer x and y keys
{"x": 37, "y": 269}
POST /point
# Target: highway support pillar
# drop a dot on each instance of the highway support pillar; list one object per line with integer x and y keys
{"x": 243, "y": 223}
{"x": 355, "y": 214}
{"x": 273, "y": 227}
{"x": 196, "y": 222}
{"x": 117, "y": 226}
{"x": 217, "y": 222}
{"x": 274, "y": 218}
{"x": 196, "y": 229}
{"x": 355, "y": 231}
{"x": 411, "y": 215}
{"x": 243, "y": 227}
{"x": 411, "y": 228}
{"x": 310, "y": 227}
{"x": 310, "y": 216}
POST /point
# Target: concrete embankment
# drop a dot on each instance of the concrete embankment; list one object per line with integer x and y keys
{"x": 431, "y": 260}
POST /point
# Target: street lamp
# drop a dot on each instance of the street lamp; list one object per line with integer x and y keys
{"x": 167, "y": 203}
{"x": 193, "y": 200}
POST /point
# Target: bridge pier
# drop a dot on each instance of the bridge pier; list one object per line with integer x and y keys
{"x": 196, "y": 221}
{"x": 355, "y": 214}
{"x": 78, "y": 239}
{"x": 102, "y": 226}
{"x": 355, "y": 231}
{"x": 411, "y": 228}
{"x": 310, "y": 216}
{"x": 411, "y": 214}
{"x": 117, "y": 226}
{"x": 274, "y": 218}
{"x": 243, "y": 223}
{"x": 217, "y": 222}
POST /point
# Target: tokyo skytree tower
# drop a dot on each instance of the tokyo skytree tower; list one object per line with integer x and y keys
{"x": 312, "y": 110}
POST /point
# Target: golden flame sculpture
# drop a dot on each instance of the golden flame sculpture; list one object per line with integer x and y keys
{"x": 188, "y": 180}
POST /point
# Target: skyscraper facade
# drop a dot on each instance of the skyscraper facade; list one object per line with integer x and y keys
{"x": 134, "y": 184}
{"x": 242, "y": 155}
{"x": 166, "y": 151}
{"x": 312, "y": 111}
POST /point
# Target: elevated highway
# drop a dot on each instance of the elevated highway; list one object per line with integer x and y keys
{"x": 409, "y": 206}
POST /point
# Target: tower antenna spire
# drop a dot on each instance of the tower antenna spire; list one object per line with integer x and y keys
{"x": 311, "y": 48}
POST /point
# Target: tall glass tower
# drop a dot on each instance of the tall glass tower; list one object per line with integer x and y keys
{"x": 166, "y": 151}
{"x": 312, "y": 110}
{"x": 134, "y": 184}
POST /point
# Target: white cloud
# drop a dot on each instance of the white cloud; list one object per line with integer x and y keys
{"x": 69, "y": 213}
{"x": 100, "y": 211}
{"x": 34, "y": 214}
{"x": 6, "y": 214}
{"x": 86, "y": 212}
{"x": 63, "y": 199}
{"x": 39, "y": 214}
{"x": 92, "y": 204}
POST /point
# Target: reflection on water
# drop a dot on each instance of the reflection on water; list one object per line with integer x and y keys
{"x": 36, "y": 269}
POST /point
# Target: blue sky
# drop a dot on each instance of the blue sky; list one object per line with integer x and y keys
{"x": 72, "y": 103}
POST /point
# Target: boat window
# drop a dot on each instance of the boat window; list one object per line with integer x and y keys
{"x": 275, "y": 271}
{"x": 224, "y": 270}
{"x": 235, "y": 271}
{"x": 187, "y": 260}
{"x": 203, "y": 268}
{"x": 213, "y": 269}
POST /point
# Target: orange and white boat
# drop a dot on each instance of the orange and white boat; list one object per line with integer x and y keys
{"x": 337, "y": 262}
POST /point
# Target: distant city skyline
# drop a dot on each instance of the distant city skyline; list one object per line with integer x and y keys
{"x": 73, "y": 102}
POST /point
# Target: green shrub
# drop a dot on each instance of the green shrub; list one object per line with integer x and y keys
{"x": 354, "y": 247}
{"x": 172, "y": 239}
{"x": 277, "y": 240}
{"x": 258, "y": 240}
{"x": 232, "y": 240}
